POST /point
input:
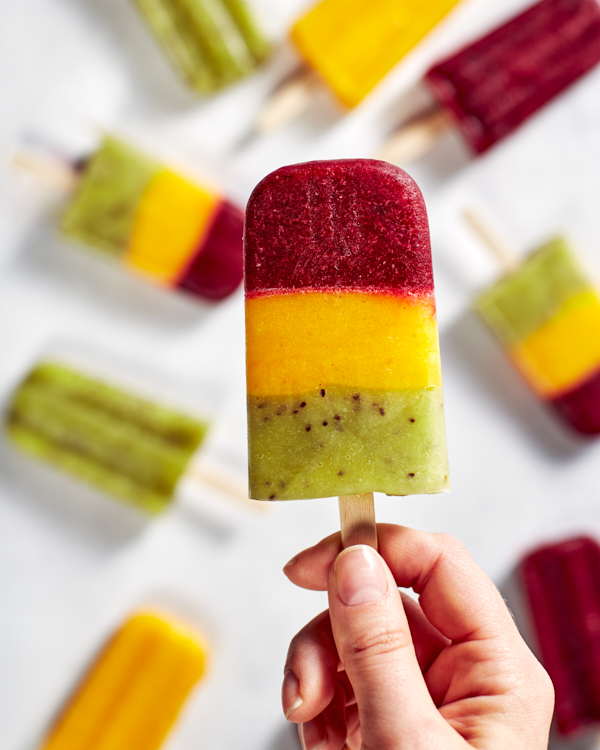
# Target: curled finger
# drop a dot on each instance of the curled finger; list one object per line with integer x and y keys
{"x": 311, "y": 671}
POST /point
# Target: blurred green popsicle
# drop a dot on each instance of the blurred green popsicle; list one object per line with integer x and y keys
{"x": 107, "y": 197}
{"x": 522, "y": 302}
{"x": 212, "y": 43}
{"x": 546, "y": 314}
{"x": 130, "y": 447}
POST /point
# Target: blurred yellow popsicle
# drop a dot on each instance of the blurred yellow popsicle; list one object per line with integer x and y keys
{"x": 132, "y": 694}
{"x": 353, "y": 44}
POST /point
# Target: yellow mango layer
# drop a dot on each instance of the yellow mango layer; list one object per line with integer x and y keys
{"x": 132, "y": 694}
{"x": 564, "y": 351}
{"x": 301, "y": 341}
{"x": 173, "y": 217}
{"x": 353, "y": 44}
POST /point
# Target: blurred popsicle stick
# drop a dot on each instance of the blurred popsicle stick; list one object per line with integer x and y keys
{"x": 291, "y": 99}
{"x": 415, "y": 138}
{"x": 55, "y": 172}
{"x": 357, "y": 518}
{"x": 501, "y": 249}
{"x": 236, "y": 491}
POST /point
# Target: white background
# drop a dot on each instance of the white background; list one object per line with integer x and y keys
{"x": 73, "y": 564}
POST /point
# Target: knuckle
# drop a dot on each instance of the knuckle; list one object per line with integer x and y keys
{"x": 535, "y": 696}
{"x": 379, "y": 641}
{"x": 450, "y": 545}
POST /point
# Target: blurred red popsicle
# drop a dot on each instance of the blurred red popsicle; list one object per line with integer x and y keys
{"x": 563, "y": 586}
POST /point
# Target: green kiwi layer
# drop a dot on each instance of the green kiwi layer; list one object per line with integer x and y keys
{"x": 344, "y": 441}
{"x": 525, "y": 300}
{"x": 103, "y": 209}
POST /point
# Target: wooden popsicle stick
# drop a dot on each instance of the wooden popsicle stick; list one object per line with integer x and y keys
{"x": 234, "y": 490}
{"x": 53, "y": 171}
{"x": 501, "y": 249}
{"x": 415, "y": 138}
{"x": 289, "y": 101}
{"x": 357, "y": 518}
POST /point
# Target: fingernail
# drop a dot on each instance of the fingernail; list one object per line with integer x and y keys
{"x": 290, "y": 693}
{"x": 312, "y": 735}
{"x": 360, "y": 576}
{"x": 291, "y": 562}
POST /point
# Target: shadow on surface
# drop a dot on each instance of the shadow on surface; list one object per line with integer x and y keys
{"x": 488, "y": 370}
{"x": 105, "y": 522}
{"x": 447, "y": 155}
{"x": 286, "y": 738}
{"x": 320, "y": 115}
{"x": 87, "y": 277}
{"x": 153, "y": 76}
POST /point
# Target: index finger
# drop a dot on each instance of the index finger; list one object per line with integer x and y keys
{"x": 456, "y": 596}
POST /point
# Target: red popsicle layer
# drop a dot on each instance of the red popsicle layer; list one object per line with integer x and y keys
{"x": 216, "y": 268}
{"x": 581, "y": 406}
{"x": 372, "y": 235}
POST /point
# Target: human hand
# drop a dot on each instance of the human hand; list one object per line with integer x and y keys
{"x": 380, "y": 671}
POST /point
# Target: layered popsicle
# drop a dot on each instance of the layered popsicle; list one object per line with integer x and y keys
{"x": 494, "y": 85}
{"x": 156, "y": 223}
{"x": 343, "y": 368}
{"x": 353, "y": 44}
{"x": 132, "y": 694}
{"x": 211, "y": 43}
{"x": 129, "y": 447}
{"x": 562, "y": 582}
{"x": 547, "y": 316}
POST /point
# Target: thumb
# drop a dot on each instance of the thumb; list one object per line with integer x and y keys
{"x": 374, "y": 643}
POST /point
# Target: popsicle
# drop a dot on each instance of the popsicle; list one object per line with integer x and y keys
{"x": 492, "y": 86}
{"x": 562, "y": 583}
{"x": 134, "y": 691}
{"x": 211, "y": 43}
{"x": 343, "y": 368}
{"x": 127, "y": 446}
{"x": 546, "y": 314}
{"x": 351, "y": 45}
{"x": 155, "y": 223}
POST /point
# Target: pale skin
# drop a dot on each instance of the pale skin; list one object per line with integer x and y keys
{"x": 380, "y": 671}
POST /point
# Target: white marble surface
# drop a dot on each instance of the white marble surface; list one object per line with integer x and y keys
{"x": 71, "y": 564}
